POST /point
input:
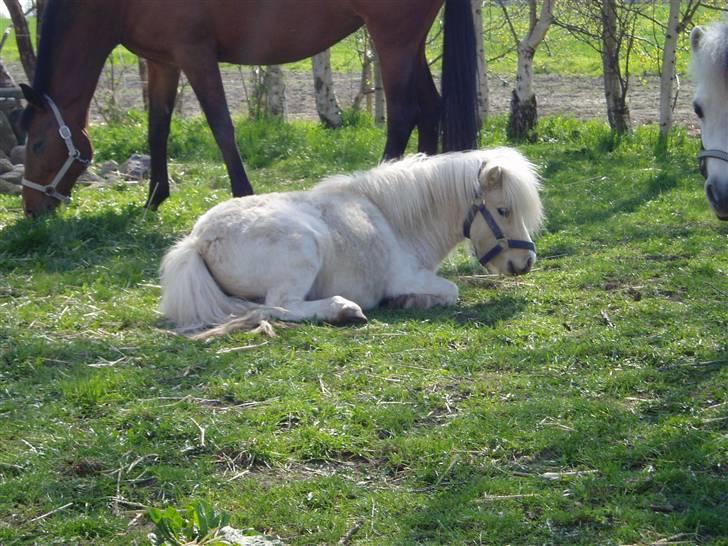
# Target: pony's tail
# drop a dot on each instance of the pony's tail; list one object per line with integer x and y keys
{"x": 195, "y": 303}
{"x": 459, "y": 79}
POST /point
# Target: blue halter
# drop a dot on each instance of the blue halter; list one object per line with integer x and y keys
{"x": 501, "y": 242}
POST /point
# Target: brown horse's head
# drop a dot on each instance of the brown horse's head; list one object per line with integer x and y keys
{"x": 57, "y": 151}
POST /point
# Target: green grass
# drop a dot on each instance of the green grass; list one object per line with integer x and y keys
{"x": 609, "y": 362}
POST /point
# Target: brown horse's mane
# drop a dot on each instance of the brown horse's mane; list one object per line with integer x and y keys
{"x": 55, "y": 15}
{"x": 54, "y": 21}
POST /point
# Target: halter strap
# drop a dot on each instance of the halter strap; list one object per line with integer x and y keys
{"x": 501, "y": 242}
{"x": 718, "y": 154}
{"x": 74, "y": 154}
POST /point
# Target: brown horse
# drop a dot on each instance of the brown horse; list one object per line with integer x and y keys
{"x": 193, "y": 36}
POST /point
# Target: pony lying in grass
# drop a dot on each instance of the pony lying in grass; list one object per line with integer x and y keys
{"x": 352, "y": 243}
{"x": 709, "y": 67}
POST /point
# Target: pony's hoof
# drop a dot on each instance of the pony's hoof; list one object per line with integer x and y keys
{"x": 350, "y": 317}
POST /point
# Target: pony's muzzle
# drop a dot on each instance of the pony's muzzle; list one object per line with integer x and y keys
{"x": 717, "y": 193}
{"x": 519, "y": 267}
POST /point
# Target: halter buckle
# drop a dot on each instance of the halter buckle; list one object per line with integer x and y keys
{"x": 65, "y": 132}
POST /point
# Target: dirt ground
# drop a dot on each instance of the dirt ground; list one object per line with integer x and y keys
{"x": 575, "y": 96}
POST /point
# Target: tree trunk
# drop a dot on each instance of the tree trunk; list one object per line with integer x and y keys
{"x": 668, "y": 76}
{"x": 275, "y": 92}
{"x": 483, "y": 90}
{"x": 614, "y": 91}
{"x": 379, "y": 104}
{"x": 144, "y": 78}
{"x": 524, "y": 112}
{"x": 323, "y": 84}
{"x": 22, "y": 36}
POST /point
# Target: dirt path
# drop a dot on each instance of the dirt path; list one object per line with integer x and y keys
{"x": 575, "y": 96}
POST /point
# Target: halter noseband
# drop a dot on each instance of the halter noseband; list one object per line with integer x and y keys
{"x": 501, "y": 242}
{"x": 73, "y": 155}
{"x": 704, "y": 154}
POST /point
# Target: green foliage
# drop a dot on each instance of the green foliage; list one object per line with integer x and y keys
{"x": 199, "y": 523}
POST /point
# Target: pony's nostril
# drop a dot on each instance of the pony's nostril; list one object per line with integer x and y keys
{"x": 529, "y": 265}
{"x": 710, "y": 193}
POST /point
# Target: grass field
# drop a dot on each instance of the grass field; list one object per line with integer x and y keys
{"x": 585, "y": 403}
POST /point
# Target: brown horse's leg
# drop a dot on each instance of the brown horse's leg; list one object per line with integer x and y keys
{"x": 203, "y": 73}
{"x": 401, "y": 94}
{"x": 163, "y": 80}
{"x": 428, "y": 100}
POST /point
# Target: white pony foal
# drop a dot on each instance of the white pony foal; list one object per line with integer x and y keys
{"x": 352, "y": 242}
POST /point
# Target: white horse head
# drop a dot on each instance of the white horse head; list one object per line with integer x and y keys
{"x": 509, "y": 211}
{"x": 709, "y": 68}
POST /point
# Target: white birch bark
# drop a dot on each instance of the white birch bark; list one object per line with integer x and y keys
{"x": 274, "y": 84}
{"x": 483, "y": 90}
{"x": 379, "y": 103}
{"x": 524, "y": 114}
{"x": 617, "y": 109}
{"x": 323, "y": 83}
{"x": 668, "y": 76}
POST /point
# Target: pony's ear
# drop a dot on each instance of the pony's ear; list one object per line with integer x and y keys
{"x": 491, "y": 178}
{"x": 696, "y": 37}
{"x": 32, "y": 96}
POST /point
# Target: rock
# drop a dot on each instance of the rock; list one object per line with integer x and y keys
{"x": 107, "y": 167}
{"x": 138, "y": 166}
{"x": 88, "y": 178}
{"x": 8, "y": 139}
{"x": 5, "y": 166}
{"x": 17, "y": 155}
{"x": 9, "y": 188}
{"x": 15, "y": 176}
{"x": 238, "y": 538}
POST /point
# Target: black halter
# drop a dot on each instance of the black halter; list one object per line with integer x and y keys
{"x": 501, "y": 243}
{"x": 704, "y": 154}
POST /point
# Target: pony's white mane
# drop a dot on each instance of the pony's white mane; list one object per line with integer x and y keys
{"x": 710, "y": 62}
{"x": 415, "y": 187}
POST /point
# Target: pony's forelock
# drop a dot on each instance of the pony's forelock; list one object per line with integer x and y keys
{"x": 710, "y": 62}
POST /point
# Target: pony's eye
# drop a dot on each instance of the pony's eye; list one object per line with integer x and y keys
{"x": 698, "y": 110}
{"x": 504, "y": 212}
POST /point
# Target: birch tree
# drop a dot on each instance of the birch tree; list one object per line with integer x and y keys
{"x": 524, "y": 112}
{"x": 323, "y": 84}
{"x": 608, "y": 26}
{"x": 379, "y": 100}
{"x": 483, "y": 91}
{"x": 274, "y": 84}
{"x": 23, "y": 37}
{"x": 676, "y": 24}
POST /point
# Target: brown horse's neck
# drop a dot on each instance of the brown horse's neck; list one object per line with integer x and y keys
{"x": 76, "y": 39}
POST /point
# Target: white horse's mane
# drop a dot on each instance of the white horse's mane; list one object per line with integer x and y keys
{"x": 711, "y": 61}
{"x": 418, "y": 184}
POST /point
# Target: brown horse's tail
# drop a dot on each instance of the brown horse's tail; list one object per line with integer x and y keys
{"x": 459, "y": 79}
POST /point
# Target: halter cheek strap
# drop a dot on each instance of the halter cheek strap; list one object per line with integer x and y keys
{"x": 74, "y": 154}
{"x": 501, "y": 242}
{"x": 704, "y": 154}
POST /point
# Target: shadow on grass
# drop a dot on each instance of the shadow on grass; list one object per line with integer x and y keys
{"x": 491, "y": 313}
{"x": 66, "y": 244}
{"x": 664, "y": 462}
{"x": 600, "y": 191}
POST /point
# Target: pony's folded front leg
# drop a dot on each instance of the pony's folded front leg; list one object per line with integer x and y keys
{"x": 334, "y": 310}
{"x": 423, "y": 291}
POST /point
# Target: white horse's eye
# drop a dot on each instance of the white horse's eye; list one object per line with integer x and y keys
{"x": 504, "y": 212}
{"x": 698, "y": 110}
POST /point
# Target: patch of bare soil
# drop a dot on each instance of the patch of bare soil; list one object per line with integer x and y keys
{"x": 573, "y": 96}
